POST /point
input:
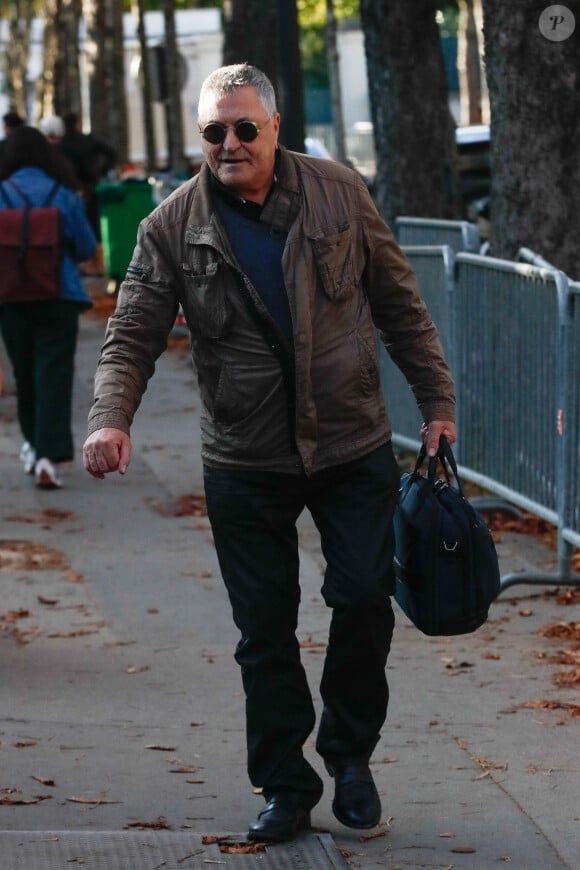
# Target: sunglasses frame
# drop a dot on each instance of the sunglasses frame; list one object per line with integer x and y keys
{"x": 224, "y": 128}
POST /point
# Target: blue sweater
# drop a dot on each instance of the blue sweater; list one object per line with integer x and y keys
{"x": 81, "y": 242}
{"x": 259, "y": 255}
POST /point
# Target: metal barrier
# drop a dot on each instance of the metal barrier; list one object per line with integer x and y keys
{"x": 512, "y": 368}
{"x": 511, "y": 334}
{"x": 571, "y": 424}
{"x": 459, "y": 235}
{"x": 433, "y": 267}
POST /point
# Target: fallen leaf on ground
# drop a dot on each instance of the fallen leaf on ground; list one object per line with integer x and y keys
{"x": 567, "y": 678}
{"x": 308, "y": 643}
{"x": 23, "y": 744}
{"x": 133, "y": 669}
{"x": 49, "y": 602}
{"x": 463, "y": 850}
{"x": 488, "y": 764}
{"x": 561, "y": 629}
{"x": 448, "y": 835}
{"x": 160, "y": 824}
{"x": 44, "y": 780}
{"x": 160, "y": 748}
{"x": 545, "y": 704}
{"x": 20, "y": 802}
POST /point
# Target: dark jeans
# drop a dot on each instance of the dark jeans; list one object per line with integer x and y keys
{"x": 253, "y": 516}
{"x": 40, "y": 339}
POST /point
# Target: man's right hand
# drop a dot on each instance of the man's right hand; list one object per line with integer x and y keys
{"x": 107, "y": 450}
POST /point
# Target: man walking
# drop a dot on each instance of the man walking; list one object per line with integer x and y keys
{"x": 284, "y": 270}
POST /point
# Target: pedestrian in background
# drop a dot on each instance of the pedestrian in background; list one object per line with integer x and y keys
{"x": 93, "y": 159}
{"x": 40, "y": 337}
{"x": 11, "y": 121}
{"x": 284, "y": 270}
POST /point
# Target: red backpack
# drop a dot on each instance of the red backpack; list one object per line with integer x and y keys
{"x": 30, "y": 248}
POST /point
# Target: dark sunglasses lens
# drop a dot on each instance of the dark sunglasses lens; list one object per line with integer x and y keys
{"x": 214, "y": 133}
{"x": 246, "y": 131}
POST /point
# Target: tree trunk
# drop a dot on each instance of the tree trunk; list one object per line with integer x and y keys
{"x": 67, "y": 70}
{"x": 535, "y": 125}
{"x": 250, "y": 35}
{"x": 335, "y": 85}
{"x": 145, "y": 81}
{"x": 468, "y": 68}
{"x": 17, "y": 53}
{"x": 291, "y": 101}
{"x": 46, "y": 84}
{"x": 105, "y": 67}
{"x": 484, "y": 93}
{"x": 413, "y": 126}
{"x": 174, "y": 116}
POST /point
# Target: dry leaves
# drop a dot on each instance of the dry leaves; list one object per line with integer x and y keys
{"x": 48, "y": 517}
{"x": 567, "y": 630}
{"x": 229, "y": 847}
{"x": 28, "y": 556}
{"x": 548, "y": 704}
{"x": 159, "y": 824}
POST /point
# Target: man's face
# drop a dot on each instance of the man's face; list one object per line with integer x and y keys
{"x": 247, "y": 168}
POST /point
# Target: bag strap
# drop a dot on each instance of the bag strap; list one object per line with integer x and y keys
{"x": 51, "y": 193}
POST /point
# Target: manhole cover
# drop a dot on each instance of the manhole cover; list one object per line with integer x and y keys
{"x": 158, "y": 850}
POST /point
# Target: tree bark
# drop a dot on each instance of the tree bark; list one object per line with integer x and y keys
{"x": 174, "y": 116}
{"x": 534, "y": 88}
{"x": 145, "y": 81}
{"x": 250, "y": 28}
{"x": 17, "y": 54}
{"x": 413, "y": 126}
{"x": 468, "y": 65}
{"x": 105, "y": 67}
{"x": 291, "y": 101}
{"x": 335, "y": 84}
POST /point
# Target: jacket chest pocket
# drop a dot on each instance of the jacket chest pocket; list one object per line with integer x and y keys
{"x": 206, "y": 302}
{"x": 335, "y": 264}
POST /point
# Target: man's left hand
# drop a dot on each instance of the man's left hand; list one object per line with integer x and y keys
{"x": 431, "y": 432}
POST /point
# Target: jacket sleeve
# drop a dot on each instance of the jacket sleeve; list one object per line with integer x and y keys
{"x": 401, "y": 316}
{"x": 79, "y": 236}
{"x": 137, "y": 332}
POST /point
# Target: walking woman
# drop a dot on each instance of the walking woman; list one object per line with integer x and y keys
{"x": 40, "y": 336}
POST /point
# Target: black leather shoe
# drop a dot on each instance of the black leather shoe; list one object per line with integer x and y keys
{"x": 356, "y": 801}
{"x": 281, "y": 819}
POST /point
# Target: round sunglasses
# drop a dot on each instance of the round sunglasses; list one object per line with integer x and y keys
{"x": 246, "y": 131}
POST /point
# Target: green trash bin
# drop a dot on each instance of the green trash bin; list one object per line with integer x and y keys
{"x": 122, "y": 205}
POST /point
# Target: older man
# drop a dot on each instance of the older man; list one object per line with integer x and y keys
{"x": 284, "y": 270}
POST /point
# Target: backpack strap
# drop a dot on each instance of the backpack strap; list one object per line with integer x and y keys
{"x": 51, "y": 193}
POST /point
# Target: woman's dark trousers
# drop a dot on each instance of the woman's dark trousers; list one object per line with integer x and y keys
{"x": 253, "y": 516}
{"x": 40, "y": 339}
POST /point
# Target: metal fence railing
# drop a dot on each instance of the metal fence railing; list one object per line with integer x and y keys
{"x": 433, "y": 267}
{"x": 459, "y": 235}
{"x": 511, "y": 333}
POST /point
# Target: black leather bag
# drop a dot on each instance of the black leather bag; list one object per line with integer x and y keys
{"x": 446, "y": 566}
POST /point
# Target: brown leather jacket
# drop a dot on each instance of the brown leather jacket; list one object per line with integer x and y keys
{"x": 345, "y": 276}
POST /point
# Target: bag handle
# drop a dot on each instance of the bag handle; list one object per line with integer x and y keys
{"x": 445, "y": 456}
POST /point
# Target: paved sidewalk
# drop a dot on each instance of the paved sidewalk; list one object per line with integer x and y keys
{"x": 121, "y": 705}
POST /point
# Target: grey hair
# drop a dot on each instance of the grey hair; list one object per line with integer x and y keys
{"x": 224, "y": 81}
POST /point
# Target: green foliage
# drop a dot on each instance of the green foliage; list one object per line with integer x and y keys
{"x": 312, "y": 19}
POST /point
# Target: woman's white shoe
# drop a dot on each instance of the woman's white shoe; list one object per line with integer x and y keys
{"x": 45, "y": 474}
{"x": 28, "y": 457}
